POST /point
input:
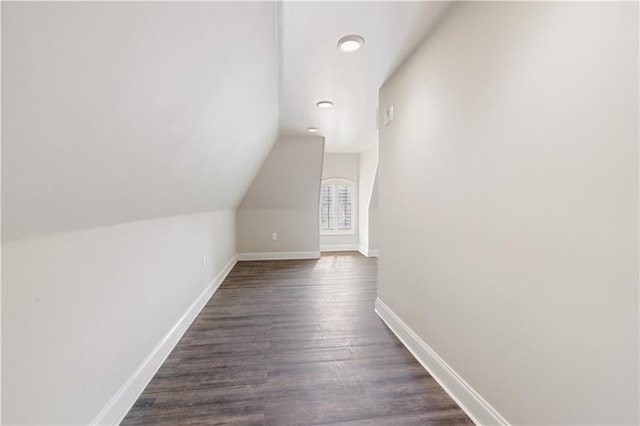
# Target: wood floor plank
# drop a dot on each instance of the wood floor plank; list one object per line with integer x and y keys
{"x": 294, "y": 342}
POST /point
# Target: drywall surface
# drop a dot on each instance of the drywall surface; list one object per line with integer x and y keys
{"x": 82, "y": 310}
{"x": 509, "y": 205}
{"x": 122, "y": 111}
{"x": 283, "y": 199}
{"x": 342, "y": 166}
{"x": 294, "y": 228}
{"x": 367, "y": 171}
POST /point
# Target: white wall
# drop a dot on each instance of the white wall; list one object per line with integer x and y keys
{"x": 295, "y": 229}
{"x": 119, "y": 113}
{"x": 283, "y": 199}
{"x": 82, "y": 310}
{"x": 342, "y": 166}
{"x": 509, "y": 205}
{"x": 367, "y": 171}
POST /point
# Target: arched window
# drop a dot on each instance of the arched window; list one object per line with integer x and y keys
{"x": 336, "y": 199}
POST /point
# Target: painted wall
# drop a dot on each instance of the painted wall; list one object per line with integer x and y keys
{"x": 509, "y": 205}
{"x": 122, "y": 111}
{"x": 82, "y": 310}
{"x": 119, "y": 113}
{"x": 283, "y": 199}
{"x": 342, "y": 166}
{"x": 367, "y": 171}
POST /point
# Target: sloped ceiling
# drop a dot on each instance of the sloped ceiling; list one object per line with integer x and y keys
{"x": 290, "y": 176}
{"x": 120, "y": 111}
{"x": 115, "y": 112}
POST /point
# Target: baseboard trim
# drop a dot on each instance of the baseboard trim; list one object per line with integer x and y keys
{"x": 119, "y": 405}
{"x": 279, "y": 255}
{"x": 479, "y": 410}
{"x": 368, "y": 252}
{"x": 339, "y": 247}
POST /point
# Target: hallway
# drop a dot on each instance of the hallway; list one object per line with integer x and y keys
{"x": 294, "y": 342}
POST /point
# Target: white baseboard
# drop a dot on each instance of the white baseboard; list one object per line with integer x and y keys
{"x": 368, "y": 252}
{"x": 339, "y": 247}
{"x": 279, "y": 255}
{"x": 119, "y": 405}
{"x": 479, "y": 410}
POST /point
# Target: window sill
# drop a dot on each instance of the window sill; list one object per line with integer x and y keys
{"x": 338, "y": 233}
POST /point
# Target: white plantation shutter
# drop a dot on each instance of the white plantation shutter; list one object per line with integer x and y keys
{"x": 336, "y": 198}
{"x": 344, "y": 206}
{"x": 327, "y": 207}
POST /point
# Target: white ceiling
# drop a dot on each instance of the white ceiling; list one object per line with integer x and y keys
{"x": 121, "y": 111}
{"x": 312, "y": 68}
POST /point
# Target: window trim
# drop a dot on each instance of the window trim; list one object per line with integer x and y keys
{"x": 354, "y": 203}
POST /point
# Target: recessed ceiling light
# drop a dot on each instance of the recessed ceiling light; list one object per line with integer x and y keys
{"x": 312, "y": 130}
{"x": 350, "y": 43}
{"x": 324, "y": 104}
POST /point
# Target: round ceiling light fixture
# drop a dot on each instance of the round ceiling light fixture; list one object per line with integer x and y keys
{"x": 312, "y": 130}
{"x": 350, "y": 43}
{"x": 324, "y": 104}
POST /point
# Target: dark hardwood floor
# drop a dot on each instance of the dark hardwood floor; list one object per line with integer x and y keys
{"x": 294, "y": 342}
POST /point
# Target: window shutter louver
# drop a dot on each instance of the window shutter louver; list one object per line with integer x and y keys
{"x": 336, "y": 199}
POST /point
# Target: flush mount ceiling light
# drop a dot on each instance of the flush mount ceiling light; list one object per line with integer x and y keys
{"x": 312, "y": 130}
{"x": 324, "y": 104}
{"x": 350, "y": 43}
